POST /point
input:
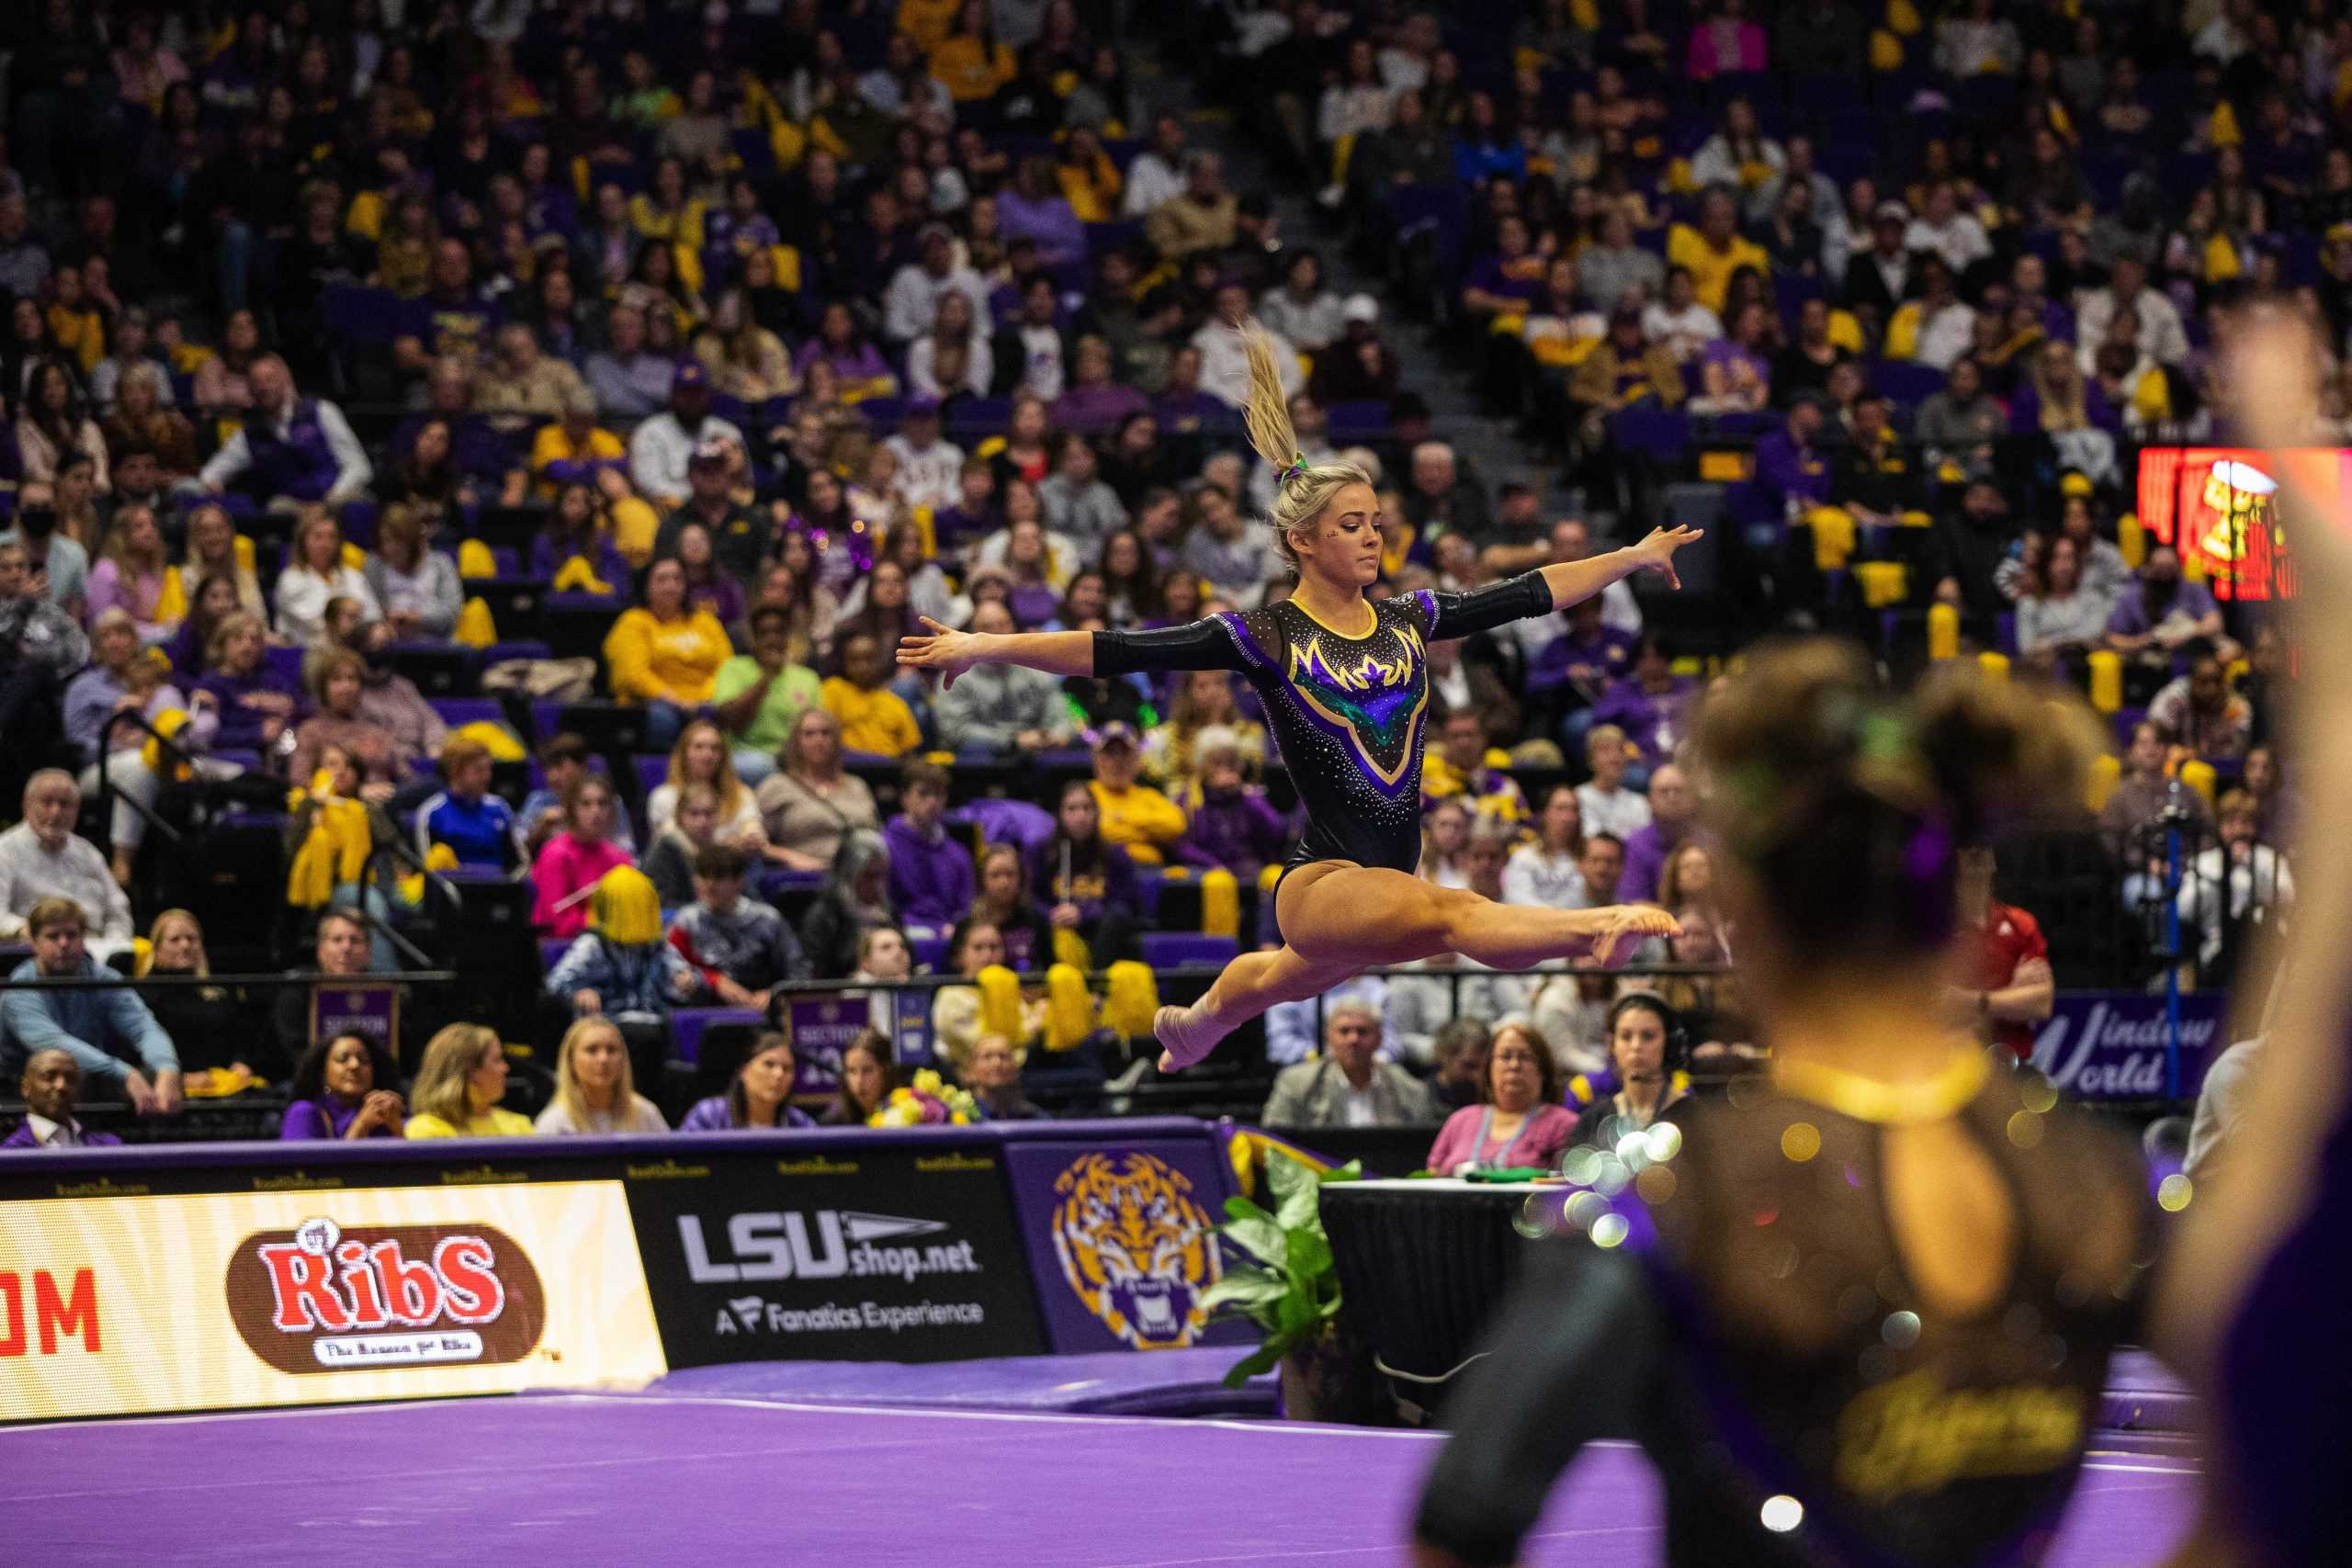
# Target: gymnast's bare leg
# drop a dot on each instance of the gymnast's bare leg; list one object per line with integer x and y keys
{"x": 1340, "y": 919}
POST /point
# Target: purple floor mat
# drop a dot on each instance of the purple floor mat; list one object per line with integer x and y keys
{"x": 593, "y": 1481}
{"x": 1109, "y": 1382}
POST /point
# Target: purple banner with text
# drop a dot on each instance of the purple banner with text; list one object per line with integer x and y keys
{"x": 2116, "y": 1044}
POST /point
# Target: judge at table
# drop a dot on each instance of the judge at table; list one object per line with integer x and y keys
{"x": 1348, "y": 1086}
{"x": 1519, "y": 1120}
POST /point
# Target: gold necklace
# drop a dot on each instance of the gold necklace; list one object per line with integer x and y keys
{"x": 1867, "y": 1099}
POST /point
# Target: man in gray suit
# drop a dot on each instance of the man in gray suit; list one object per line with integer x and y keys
{"x": 1345, "y": 1087}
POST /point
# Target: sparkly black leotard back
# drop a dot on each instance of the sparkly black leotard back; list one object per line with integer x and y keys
{"x": 1759, "y": 1331}
{"x": 1349, "y": 712}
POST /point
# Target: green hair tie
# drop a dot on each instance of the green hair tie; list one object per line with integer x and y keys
{"x": 1298, "y": 466}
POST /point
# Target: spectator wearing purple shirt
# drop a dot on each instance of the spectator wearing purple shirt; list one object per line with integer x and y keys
{"x": 931, "y": 873}
{"x": 1507, "y": 279}
{"x": 2056, "y": 399}
{"x": 1735, "y": 372}
{"x": 479, "y": 451}
{"x": 345, "y": 1087}
{"x": 51, "y": 1085}
{"x": 1674, "y": 811}
{"x": 2165, "y": 613}
{"x": 450, "y": 320}
{"x": 857, "y": 366}
{"x": 759, "y": 1097}
{"x": 1228, "y": 821}
{"x": 255, "y": 702}
{"x": 1651, "y": 705}
{"x": 1033, "y": 208}
{"x": 1093, "y": 403}
{"x": 1588, "y": 656}
{"x": 1788, "y": 467}
{"x": 1183, "y": 408}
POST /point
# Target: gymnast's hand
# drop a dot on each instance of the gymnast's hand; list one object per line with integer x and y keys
{"x": 2274, "y": 374}
{"x": 1656, "y": 551}
{"x": 1626, "y": 927}
{"x": 949, "y": 652}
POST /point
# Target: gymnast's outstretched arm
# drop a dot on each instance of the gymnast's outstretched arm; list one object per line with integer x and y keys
{"x": 1567, "y": 1363}
{"x": 1203, "y": 645}
{"x": 1555, "y": 587}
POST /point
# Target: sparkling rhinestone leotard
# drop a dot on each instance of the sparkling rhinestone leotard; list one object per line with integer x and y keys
{"x": 1348, "y": 711}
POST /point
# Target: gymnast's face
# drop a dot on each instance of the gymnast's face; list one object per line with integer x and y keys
{"x": 1342, "y": 545}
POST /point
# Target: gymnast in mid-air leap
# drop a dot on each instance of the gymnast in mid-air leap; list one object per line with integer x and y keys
{"x": 1345, "y": 684}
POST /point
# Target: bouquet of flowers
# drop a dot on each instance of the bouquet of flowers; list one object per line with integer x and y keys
{"x": 929, "y": 1100}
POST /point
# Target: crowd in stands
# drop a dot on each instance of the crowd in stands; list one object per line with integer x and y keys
{"x": 673, "y": 361}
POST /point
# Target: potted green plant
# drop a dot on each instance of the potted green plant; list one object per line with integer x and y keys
{"x": 1290, "y": 1289}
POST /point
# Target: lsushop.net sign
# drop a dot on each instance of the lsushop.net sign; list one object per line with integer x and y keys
{"x": 2113, "y": 1044}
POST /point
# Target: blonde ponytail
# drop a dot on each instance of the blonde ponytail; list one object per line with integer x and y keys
{"x": 1301, "y": 492}
{"x": 1264, "y": 408}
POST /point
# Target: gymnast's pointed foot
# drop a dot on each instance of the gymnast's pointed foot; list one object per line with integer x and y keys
{"x": 1186, "y": 1036}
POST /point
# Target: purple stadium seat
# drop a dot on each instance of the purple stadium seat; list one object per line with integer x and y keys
{"x": 523, "y": 649}
{"x": 457, "y": 712}
{"x": 687, "y": 1024}
{"x": 755, "y": 150}
{"x": 1015, "y": 822}
{"x": 1659, "y": 433}
{"x": 1907, "y": 382}
{"x": 652, "y": 770}
{"x": 1104, "y": 238}
{"x": 777, "y": 884}
{"x": 1172, "y": 950}
{"x": 362, "y": 315}
{"x": 551, "y": 948}
{"x": 929, "y": 952}
{"x": 1352, "y": 424}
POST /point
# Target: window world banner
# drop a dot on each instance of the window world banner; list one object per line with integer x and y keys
{"x": 2113, "y": 1044}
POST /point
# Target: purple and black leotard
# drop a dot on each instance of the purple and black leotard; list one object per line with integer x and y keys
{"x": 1348, "y": 712}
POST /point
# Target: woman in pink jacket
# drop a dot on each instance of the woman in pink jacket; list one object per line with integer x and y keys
{"x": 574, "y": 860}
{"x": 1519, "y": 1120}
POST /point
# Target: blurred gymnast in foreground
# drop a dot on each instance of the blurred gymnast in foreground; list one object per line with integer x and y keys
{"x": 2251, "y": 1307}
{"x": 1864, "y": 1314}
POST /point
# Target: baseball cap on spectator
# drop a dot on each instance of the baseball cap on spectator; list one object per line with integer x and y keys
{"x": 1360, "y": 307}
{"x": 935, "y": 231}
{"x": 922, "y": 405}
{"x": 2076, "y": 482}
{"x": 1115, "y": 733}
{"x": 1890, "y": 211}
{"x": 689, "y": 376}
{"x": 712, "y": 452}
{"x": 1625, "y": 315}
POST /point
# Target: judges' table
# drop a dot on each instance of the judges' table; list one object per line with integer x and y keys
{"x": 1424, "y": 1265}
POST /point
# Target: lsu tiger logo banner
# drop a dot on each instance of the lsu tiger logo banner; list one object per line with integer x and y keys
{"x": 1134, "y": 1247}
